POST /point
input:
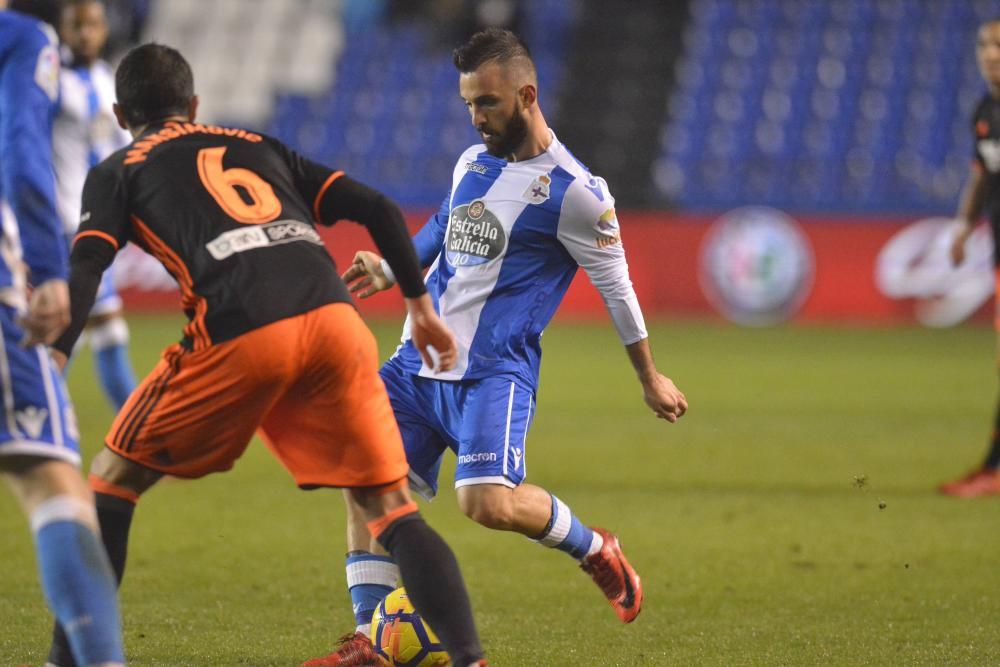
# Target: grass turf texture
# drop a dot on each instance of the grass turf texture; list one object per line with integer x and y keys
{"x": 789, "y": 519}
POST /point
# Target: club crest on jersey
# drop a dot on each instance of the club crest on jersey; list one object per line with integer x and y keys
{"x": 475, "y": 235}
{"x": 538, "y": 191}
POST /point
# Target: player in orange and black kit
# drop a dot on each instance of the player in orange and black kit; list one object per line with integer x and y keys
{"x": 273, "y": 344}
{"x": 982, "y": 192}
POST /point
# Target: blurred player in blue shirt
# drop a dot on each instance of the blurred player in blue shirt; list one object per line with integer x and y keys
{"x": 85, "y": 133}
{"x": 39, "y": 453}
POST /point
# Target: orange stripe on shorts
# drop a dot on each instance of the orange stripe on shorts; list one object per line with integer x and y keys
{"x": 107, "y": 488}
{"x": 377, "y": 526}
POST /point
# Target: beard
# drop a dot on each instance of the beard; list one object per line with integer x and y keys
{"x": 510, "y": 139}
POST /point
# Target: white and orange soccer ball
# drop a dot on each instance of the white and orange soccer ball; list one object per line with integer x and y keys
{"x": 401, "y": 637}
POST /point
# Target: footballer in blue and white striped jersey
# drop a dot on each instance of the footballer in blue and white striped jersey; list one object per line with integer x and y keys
{"x": 85, "y": 133}
{"x": 503, "y": 250}
{"x": 521, "y": 217}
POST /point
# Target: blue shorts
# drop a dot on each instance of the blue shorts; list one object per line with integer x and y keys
{"x": 36, "y": 416}
{"x": 485, "y": 422}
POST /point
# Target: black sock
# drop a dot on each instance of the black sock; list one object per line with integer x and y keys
{"x": 993, "y": 457}
{"x": 114, "y": 516}
{"x": 434, "y": 583}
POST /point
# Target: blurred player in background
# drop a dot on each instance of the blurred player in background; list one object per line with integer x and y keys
{"x": 39, "y": 452}
{"x": 523, "y": 214}
{"x": 86, "y": 133}
{"x": 982, "y": 193}
{"x": 273, "y": 343}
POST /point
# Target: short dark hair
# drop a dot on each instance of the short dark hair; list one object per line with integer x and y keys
{"x": 78, "y": 3}
{"x": 153, "y": 82}
{"x": 492, "y": 44}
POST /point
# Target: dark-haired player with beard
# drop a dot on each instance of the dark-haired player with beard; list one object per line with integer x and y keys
{"x": 273, "y": 343}
{"x": 982, "y": 193}
{"x": 522, "y": 215}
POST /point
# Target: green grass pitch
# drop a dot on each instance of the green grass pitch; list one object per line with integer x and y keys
{"x": 789, "y": 519}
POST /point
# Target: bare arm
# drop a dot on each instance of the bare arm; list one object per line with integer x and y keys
{"x": 970, "y": 207}
{"x": 659, "y": 391}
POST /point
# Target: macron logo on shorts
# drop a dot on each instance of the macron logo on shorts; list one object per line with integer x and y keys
{"x": 481, "y": 457}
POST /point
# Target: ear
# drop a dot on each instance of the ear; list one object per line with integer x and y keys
{"x": 192, "y": 108}
{"x": 119, "y": 116}
{"x": 528, "y": 94}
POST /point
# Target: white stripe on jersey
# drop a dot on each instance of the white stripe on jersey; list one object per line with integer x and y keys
{"x": 461, "y": 308}
{"x": 7, "y": 385}
{"x": 11, "y": 254}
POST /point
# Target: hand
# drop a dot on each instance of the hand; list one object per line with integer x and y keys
{"x": 666, "y": 400}
{"x": 59, "y": 359}
{"x": 48, "y": 313}
{"x": 958, "y": 244}
{"x": 434, "y": 340}
{"x": 365, "y": 273}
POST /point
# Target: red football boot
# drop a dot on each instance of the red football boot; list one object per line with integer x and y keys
{"x": 981, "y": 482}
{"x": 612, "y": 573}
{"x": 354, "y": 650}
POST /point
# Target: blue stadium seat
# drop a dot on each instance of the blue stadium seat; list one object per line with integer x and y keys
{"x": 823, "y": 104}
{"x": 393, "y": 117}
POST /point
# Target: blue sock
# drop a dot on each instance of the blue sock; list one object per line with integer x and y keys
{"x": 567, "y": 533}
{"x": 115, "y": 372}
{"x": 369, "y": 578}
{"x": 78, "y": 583}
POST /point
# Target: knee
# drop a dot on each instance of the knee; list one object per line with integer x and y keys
{"x": 120, "y": 472}
{"x": 488, "y": 505}
{"x": 106, "y": 331}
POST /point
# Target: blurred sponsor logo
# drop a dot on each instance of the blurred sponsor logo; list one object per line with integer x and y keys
{"x": 47, "y": 68}
{"x": 476, "y": 167}
{"x": 607, "y": 227}
{"x": 756, "y": 266}
{"x": 475, "y": 235}
{"x": 916, "y": 264}
{"x": 275, "y": 233}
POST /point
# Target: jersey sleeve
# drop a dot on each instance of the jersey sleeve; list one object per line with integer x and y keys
{"x": 104, "y": 211}
{"x": 588, "y": 229}
{"x": 430, "y": 238}
{"x": 29, "y": 88}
